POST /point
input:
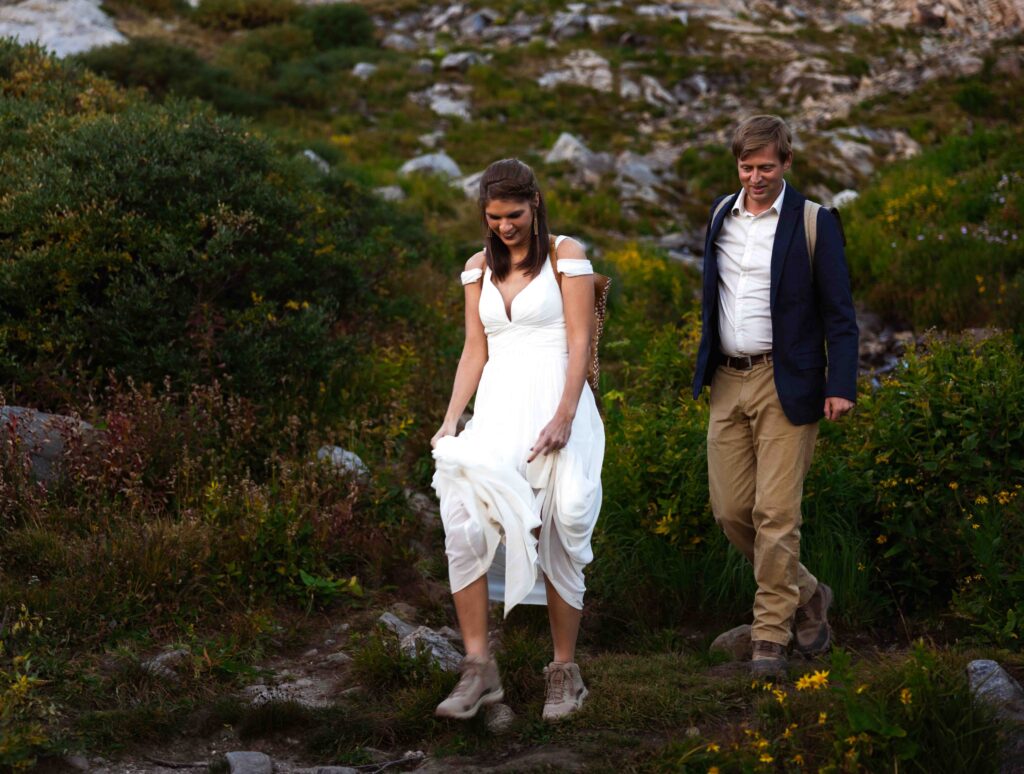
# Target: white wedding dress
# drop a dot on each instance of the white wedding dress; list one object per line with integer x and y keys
{"x": 488, "y": 493}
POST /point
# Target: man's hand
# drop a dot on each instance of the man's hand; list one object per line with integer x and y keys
{"x": 836, "y": 407}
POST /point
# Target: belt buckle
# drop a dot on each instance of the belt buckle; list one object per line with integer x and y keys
{"x": 750, "y": 362}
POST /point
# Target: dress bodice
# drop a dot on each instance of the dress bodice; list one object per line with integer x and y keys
{"x": 537, "y": 319}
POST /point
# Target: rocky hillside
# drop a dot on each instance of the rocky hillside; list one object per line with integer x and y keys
{"x": 625, "y": 107}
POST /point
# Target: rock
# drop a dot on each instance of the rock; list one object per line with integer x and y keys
{"x": 993, "y": 685}
{"x": 470, "y": 184}
{"x": 499, "y": 719}
{"x": 965, "y": 65}
{"x": 581, "y": 68}
{"x": 390, "y": 193}
{"x": 423, "y": 505}
{"x": 317, "y": 160}
{"x": 692, "y": 732}
{"x": 364, "y": 70}
{"x": 338, "y": 659}
{"x": 432, "y": 163}
{"x": 630, "y": 89}
{"x": 635, "y": 178}
{"x": 663, "y": 12}
{"x": 449, "y": 633}
{"x": 857, "y": 19}
{"x": 567, "y": 24}
{"x": 76, "y": 762}
{"x": 461, "y": 61}
{"x": 446, "y": 99}
{"x": 441, "y": 651}
{"x": 654, "y": 93}
{"x": 597, "y": 22}
{"x": 165, "y": 664}
{"x": 423, "y": 66}
{"x": 396, "y": 624}
{"x": 249, "y": 763}
{"x": 398, "y": 42}
{"x": 1009, "y": 64}
{"x": 735, "y": 643}
{"x": 344, "y": 460}
{"x": 44, "y": 437}
{"x": 65, "y": 27}
{"x": 844, "y": 197}
{"x": 473, "y": 26}
{"x": 587, "y": 166}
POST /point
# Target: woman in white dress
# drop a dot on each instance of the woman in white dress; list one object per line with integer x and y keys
{"x": 526, "y": 470}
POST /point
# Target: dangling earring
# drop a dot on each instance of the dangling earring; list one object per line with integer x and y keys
{"x": 536, "y": 232}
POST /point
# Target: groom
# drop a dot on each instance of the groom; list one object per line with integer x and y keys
{"x": 779, "y": 350}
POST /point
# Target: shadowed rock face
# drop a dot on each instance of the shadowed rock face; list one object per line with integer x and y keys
{"x": 44, "y": 437}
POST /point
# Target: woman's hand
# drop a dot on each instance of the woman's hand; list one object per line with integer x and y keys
{"x": 448, "y": 427}
{"x": 553, "y": 437}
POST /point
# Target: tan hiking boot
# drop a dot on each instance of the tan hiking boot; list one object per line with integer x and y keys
{"x": 768, "y": 659}
{"x": 565, "y": 690}
{"x": 810, "y": 624}
{"x": 479, "y": 685}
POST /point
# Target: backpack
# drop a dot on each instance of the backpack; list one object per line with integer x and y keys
{"x": 601, "y": 287}
{"x": 810, "y": 223}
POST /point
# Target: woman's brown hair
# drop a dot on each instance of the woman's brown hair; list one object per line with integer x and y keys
{"x": 513, "y": 180}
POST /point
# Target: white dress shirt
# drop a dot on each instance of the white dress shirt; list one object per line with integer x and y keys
{"x": 744, "y": 248}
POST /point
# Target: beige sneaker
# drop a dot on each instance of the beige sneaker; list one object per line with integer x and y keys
{"x": 478, "y": 686}
{"x": 768, "y": 659}
{"x": 565, "y": 690}
{"x": 810, "y": 624}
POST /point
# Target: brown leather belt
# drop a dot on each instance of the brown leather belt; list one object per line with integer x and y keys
{"x": 746, "y": 362}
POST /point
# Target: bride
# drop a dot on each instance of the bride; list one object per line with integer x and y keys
{"x": 526, "y": 470}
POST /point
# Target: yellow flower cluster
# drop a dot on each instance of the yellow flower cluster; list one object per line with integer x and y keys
{"x": 815, "y": 681}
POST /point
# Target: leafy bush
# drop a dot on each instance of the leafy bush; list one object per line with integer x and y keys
{"x": 164, "y": 240}
{"x": 165, "y": 69}
{"x": 338, "y": 25}
{"x": 937, "y": 240}
{"x": 243, "y": 14}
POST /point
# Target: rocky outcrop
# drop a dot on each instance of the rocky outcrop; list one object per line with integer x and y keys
{"x": 45, "y": 438}
{"x": 65, "y": 27}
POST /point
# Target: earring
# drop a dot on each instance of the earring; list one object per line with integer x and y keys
{"x": 536, "y": 232}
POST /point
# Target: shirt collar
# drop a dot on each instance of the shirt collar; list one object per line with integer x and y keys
{"x": 739, "y": 206}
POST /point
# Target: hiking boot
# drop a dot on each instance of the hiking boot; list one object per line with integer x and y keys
{"x": 810, "y": 624}
{"x": 478, "y": 686}
{"x": 565, "y": 690}
{"x": 768, "y": 659}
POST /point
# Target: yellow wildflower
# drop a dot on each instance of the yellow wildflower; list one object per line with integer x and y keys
{"x": 798, "y": 759}
{"x": 713, "y": 747}
{"x": 1004, "y": 497}
{"x": 954, "y": 485}
{"x": 713, "y": 770}
{"x": 906, "y": 697}
{"x": 975, "y": 526}
{"x": 822, "y": 718}
{"x": 766, "y": 758}
{"x": 780, "y": 696}
{"x": 981, "y": 500}
{"x": 861, "y": 688}
{"x": 851, "y": 740}
{"x": 882, "y": 540}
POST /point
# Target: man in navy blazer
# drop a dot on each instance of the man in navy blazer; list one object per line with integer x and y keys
{"x": 779, "y": 351}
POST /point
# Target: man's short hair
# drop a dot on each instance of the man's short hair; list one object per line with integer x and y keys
{"x": 759, "y": 132}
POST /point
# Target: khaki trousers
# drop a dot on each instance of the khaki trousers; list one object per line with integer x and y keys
{"x": 757, "y": 461}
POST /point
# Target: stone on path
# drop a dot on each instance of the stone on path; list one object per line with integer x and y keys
{"x": 441, "y": 651}
{"x": 499, "y": 719}
{"x": 396, "y": 624}
{"x": 165, "y": 664}
{"x": 735, "y": 643}
{"x": 249, "y": 762}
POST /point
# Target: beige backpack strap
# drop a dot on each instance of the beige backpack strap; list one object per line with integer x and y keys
{"x": 718, "y": 209}
{"x": 811, "y": 227}
{"x": 554, "y": 259}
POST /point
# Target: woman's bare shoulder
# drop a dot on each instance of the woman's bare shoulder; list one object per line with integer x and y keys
{"x": 478, "y": 261}
{"x": 570, "y": 248}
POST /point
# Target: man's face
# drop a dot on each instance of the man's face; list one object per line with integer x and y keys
{"x": 761, "y": 173}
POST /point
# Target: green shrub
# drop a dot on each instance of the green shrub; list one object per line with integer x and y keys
{"x": 937, "y": 240}
{"x": 279, "y": 43}
{"x": 338, "y": 25}
{"x": 243, "y": 14}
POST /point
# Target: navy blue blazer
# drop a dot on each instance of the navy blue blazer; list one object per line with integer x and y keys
{"x": 812, "y": 312}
